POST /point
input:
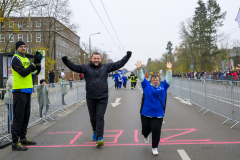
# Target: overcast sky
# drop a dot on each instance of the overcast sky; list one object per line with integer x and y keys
{"x": 143, "y": 27}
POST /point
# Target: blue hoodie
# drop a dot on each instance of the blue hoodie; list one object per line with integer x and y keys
{"x": 124, "y": 79}
{"x": 116, "y": 77}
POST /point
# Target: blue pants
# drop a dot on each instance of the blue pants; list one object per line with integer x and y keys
{"x": 119, "y": 84}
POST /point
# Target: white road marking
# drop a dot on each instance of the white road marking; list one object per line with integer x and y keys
{"x": 183, "y": 154}
{"x": 116, "y": 102}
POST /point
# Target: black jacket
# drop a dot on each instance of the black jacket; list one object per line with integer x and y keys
{"x": 96, "y": 76}
{"x": 51, "y": 75}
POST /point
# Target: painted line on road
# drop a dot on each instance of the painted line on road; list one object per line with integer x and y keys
{"x": 183, "y": 154}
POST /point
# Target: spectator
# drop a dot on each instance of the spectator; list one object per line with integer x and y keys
{"x": 70, "y": 82}
{"x": 51, "y": 78}
{"x": 81, "y": 76}
{"x": 64, "y": 87}
{"x": 61, "y": 73}
{"x": 8, "y": 100}
{"x": 42, "y": 94}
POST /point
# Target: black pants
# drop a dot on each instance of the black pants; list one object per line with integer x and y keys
{"x": 124, "y": 85}
{"x": 153, "y": 125}
{"x": 51, "y": 81}
{"x": 63, "y": 102}
{"x": 22, "y": 108}
{"x": 116, "y": 84}
{"x": 97, "y": 108}
{"x": 133, "y": 84}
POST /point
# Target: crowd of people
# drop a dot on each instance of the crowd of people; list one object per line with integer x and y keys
{"x": 218, "y": 75}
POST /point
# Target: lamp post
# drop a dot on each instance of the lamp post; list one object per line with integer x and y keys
{"x": 29, "y": 36}
{"x": 90, "y": 42}
{"x": 84, "y": 58}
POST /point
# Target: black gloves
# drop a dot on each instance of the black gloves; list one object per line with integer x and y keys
{"x": 64, "y": 58}
{"x": 129, "y": 53}
{"x": 37, "y": 58}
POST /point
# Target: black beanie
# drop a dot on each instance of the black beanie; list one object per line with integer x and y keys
{"x": 42, "y": 80}
{"x": 19, "y": 43}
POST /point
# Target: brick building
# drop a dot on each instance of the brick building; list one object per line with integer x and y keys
{"x": 46, "y": 33}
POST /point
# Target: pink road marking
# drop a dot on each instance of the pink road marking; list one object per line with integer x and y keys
{"x": 201, "y": 140}
{"x": 139, "y": 144}
{"x": 74, "y": 139}
{"x": 189, "y": 130}
{"x": 136, "y": 135}
{"x": 116, "y": 136}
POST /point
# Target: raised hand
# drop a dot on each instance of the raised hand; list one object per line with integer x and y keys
{"x": 238, "y": 68}
{"x": 169, "y": 65}
{"x": 139, "y": 65}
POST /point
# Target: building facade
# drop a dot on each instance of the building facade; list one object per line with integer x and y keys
{"x": 43, "y": 33}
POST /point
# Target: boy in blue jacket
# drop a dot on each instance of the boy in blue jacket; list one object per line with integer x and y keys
{"x": 153, "y": 104}
{"x": 124, "y": 78}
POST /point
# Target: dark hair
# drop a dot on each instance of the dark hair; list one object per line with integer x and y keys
{"x": 62, "y": 69}
{"x": 155, "y": 76}
{"x": 96, "y": 53}
{"x": 42, "y": 80}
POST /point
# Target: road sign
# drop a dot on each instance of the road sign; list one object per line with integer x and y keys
{"x": 160, "y": 71}
{"x": 192, "y": 66}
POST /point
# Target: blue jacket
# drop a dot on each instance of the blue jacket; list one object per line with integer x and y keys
{"x": 116, "y": 77}
{"x": 152, "y": 106}
{"x": 124, "y": 79}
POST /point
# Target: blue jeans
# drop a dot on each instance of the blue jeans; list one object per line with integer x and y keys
{"x": 10, "y": 115}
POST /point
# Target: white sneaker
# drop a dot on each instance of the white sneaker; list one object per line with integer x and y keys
{"x": 155, "y": 151}
{"x": 146, "y": 140}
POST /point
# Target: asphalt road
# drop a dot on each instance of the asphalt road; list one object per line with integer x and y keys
{"x": 186, "y": 134}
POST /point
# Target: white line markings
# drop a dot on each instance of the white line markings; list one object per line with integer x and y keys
{"x": 116, "y": 102}
{"x": 183, "y": 154}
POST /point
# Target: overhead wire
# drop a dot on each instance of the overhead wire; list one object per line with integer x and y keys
{"x": 112, "y": 25}
{"x": 105, "y": 26}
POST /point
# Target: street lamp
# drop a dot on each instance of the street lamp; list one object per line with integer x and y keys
{"x": 29, "y": 36}
{"x": 90, "y": 42}
{"x": 84, "y": 58}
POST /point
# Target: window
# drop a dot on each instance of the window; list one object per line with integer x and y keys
{"x": 38, "y": 24}
{"x": 29, "y": 50}
{"x": 2, "y": 38}
{"x": 19, "y": 24}
{"x": 28, "y": 38}
{"x": 60, "y": 54}
{"x": 30, "y": 24}
{"x": 38, "y": 37}
{"x": 11, "y": 24}
{"x": 20, "y": 37}
{"x": 11, "y": 38}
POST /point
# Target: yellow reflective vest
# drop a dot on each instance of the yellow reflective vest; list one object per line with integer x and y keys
{"x": 20, "y": 82}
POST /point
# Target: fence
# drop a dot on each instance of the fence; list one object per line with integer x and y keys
{"x": 221, "y": 97}
{"x": 76, "y": 94}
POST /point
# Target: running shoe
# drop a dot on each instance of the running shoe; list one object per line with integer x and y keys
{"x": 155, "y": 151}
{"x": 94, "y": 136}
{"x": 99, "y": 142}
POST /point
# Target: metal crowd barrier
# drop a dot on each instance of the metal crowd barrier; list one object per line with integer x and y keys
{"x": 76, "y": 94}
{"x": 220, "y": 97}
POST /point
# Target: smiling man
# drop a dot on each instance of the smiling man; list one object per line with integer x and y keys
{"x": 22, "y": 70}
{"x": 96, "y": 75}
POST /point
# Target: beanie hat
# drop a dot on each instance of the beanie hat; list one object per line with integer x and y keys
{"x": 42, "y": 80}
{"x": 19, "y": 43}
